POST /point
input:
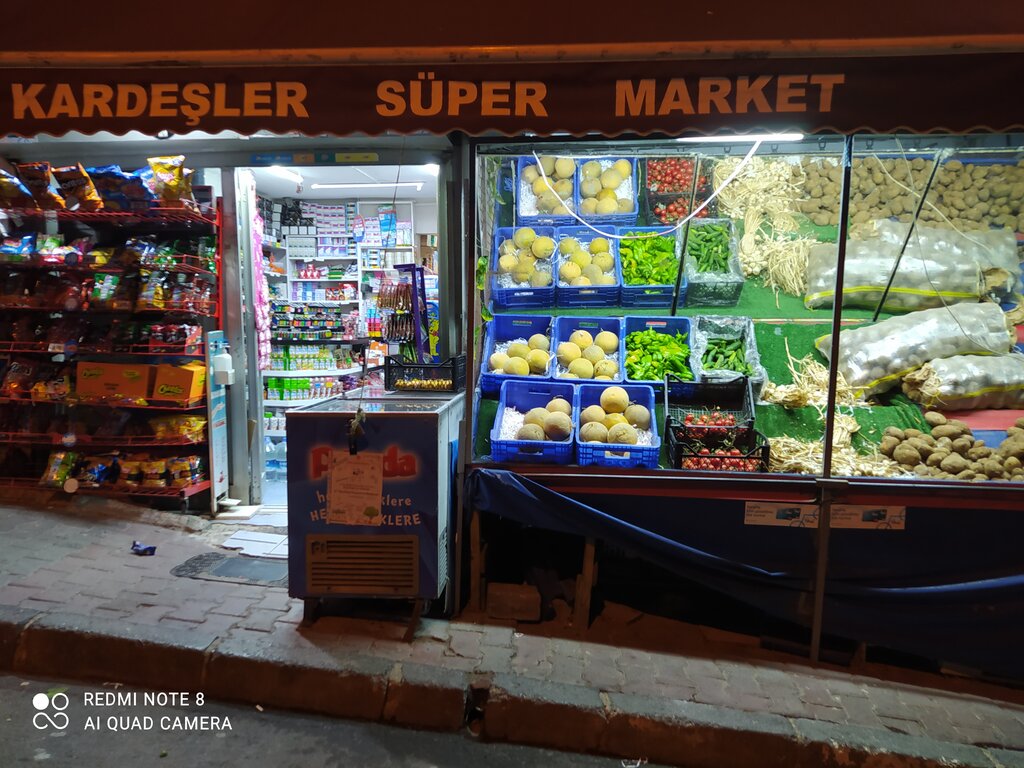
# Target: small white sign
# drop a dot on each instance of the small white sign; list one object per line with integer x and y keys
{"x": 868, "y": 516}
{"x": 355, "y": 486}
{"x": 786, "y": 515}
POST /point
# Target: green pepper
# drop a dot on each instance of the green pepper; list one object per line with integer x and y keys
{"x": 650, "y": 353}
{"x": 648, "y": 260}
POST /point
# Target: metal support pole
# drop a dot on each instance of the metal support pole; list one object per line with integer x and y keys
{"x": 825, "y": 515}
{"x": 939, "y": 157}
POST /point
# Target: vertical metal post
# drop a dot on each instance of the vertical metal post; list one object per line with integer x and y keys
{"x": 462, "y": 255}
{"x": 825, "y": 514}
{"x": 239, "y": 445}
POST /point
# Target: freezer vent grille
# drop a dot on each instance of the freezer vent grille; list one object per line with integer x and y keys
{"x": 363, "y": 565}
{"x": 442, "y": 561}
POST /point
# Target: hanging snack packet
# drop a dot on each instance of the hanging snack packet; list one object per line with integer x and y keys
{"x": 37, "y": 178}
{"x": 79, "y": 192}
{"x": 120, "y": 191}
{"x": 58, "y": 468}
{"x": 14, "y": 194}
{"x": 169, "y": 175}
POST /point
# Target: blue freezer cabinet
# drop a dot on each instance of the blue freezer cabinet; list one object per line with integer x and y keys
{"x": 376, "y": 524}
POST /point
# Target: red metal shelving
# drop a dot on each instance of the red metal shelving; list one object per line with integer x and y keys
{"x": 189, "y": 265}
{"x": 122, "y": 218}
{"x": 113, "y": 490}
{"x": 91, "y": 441}
{"x": 42, "y": 348}
{"x": 160, "y": 405}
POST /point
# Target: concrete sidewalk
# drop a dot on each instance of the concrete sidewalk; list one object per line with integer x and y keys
{"x": 75, "y": 603}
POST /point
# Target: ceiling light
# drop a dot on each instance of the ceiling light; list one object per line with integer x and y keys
{"x": 286, "y": 173}
{"x": 432, "y": 168}
{"x": 769, "y": 137}
{"x": 370, "y": 185}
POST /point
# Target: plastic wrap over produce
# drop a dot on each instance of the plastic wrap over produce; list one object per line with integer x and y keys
{"x": 874, "y": 358}
{"x": 969, "y": 382}
{"x": 939, "y": 267}
{"x": 707, "y": 331}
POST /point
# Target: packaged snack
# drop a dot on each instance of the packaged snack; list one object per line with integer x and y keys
{"x": 169, "y": 175}
{"x": 94, "y": 471}
{"x": 18, "y": 378}
{"x": 58, "y": 468}
{"x": 119, "y": 190}
{"x": 14, "y": 194}
{"x": 154, "y": 474}
{"x": 97, "y": 258}
{"x": 103, "y": 289}
{"x": 17, "y": 248}
{"x": 139, "y": 250}
{"x": 63, "y": 293}
{"x": 37, "y": 178}
{"x": 180, "y": 471}
{"x": 192, "y": 428}
{"x": 78, "y": 189}
{"x": 73, "y": 253}
{"x": 52, "y": 386}
{"x": 130, "y": 473}
{"x": 155, "y": 292}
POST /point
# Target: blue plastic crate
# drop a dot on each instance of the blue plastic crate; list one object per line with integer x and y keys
{"x": 524, "y": 395}
{"x": 542, "y": 219}
{"x": 667, "y": 325}
{"x": 519, "y": 298}
{"x": 505, "y": 328}
{"x": 588, "y": 296}
{"x": 565, "y": 326}
{"x": 650, "y": 295}
{"x": 615, "y": 455}
{"x": 610, "y": 219}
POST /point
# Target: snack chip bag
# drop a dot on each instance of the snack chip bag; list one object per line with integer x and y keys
{"x": 94, "y": 470}
{"x": 58, "y": 468}
{"x": 21, "y": 247}
{"x": 37, "y": 178}
{"x": 154, "y": 474}
{"x": 121, "y": 191}
{"x": 14, "y": 194}
{"x": 131, "y": 473}
{"x": 79, "y": 192}
{"x": 169, "y": 174}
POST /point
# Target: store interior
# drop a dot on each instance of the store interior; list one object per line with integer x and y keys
{"x": 332, "y": 237}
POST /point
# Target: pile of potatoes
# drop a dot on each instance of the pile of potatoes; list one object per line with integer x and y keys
{"x": 950, "y": 451}
{"x": 969, "y": 196}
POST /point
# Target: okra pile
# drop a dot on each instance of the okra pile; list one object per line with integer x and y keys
{"x": 726, "y": 355}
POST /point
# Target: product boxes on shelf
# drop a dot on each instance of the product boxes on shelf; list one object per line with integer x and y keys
{"x": 522, "y": 283}
{"x": 620, "y": 454}
{"x": 599, "y": 199}
{"x": 180, "y": 383}
{"x": 600, "y": 331}
{"x": 521, "y": 397}
{"x": 113, "y": 380}
{"x": 641, "y": 365}
{"x": 503, "y": 329}
{"x": 598, "y": 264}
{"x": 650, "y": 258}
{"x": 712, "y": 264}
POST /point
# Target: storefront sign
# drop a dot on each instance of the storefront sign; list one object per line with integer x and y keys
{"x": 920, "y": 93}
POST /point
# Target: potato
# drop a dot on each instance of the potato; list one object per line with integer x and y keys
{"x": 1012, "y": 464}
{"x": 922, "y": 447}
{"x": 934, "y": 419}
{"x": 936, "y": 458}
{"x": 962, "y": 445}
{"x": 947, "y": 430}
{"x": 894, "y": 432}
{"x": 888, "y": 445}
{"x": 978, "y": 453}
{"x": 992, "y": 468}
{"x": 906, "y": 454}
{"x": 954, "y": 464}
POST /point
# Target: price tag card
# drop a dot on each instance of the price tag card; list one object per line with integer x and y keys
{"x": 784, "y": 515}
{"x": 354, "y": 488}
{"x": 875, "y": 518}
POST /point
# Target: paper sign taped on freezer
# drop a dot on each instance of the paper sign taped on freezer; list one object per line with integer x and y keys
{"x": 355, "y": 486}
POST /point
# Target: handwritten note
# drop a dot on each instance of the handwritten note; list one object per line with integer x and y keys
{"x": 354, "y": 488}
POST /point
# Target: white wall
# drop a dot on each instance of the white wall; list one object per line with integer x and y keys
{"x": 424, "y": 218}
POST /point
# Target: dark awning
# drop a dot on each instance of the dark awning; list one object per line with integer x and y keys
{"x": 923, "y": 93}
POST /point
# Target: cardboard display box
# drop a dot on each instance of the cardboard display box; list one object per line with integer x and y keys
{"x": 95, "y": 379}
{"x": 180, "y": 383}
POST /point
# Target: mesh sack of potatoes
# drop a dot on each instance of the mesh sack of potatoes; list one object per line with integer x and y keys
{"x": 874, "y": 358}
{"x": 939, "y": 267}
{"x": 707, "y": 327}
{"x": 968, "y": 382}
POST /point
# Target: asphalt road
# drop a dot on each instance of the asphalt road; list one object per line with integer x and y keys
{"x": 49, "y": 724}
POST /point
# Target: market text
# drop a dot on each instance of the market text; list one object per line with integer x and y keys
{"x": 724, "y": 95}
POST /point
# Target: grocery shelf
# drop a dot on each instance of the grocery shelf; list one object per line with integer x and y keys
{"x": 274, "y": 433}
{"x": 122, "y": 218}
{"x": 322, "y": 258}
{"x": 92, "y": 441}
{"x": 159, "y": 405}
{"x": 43, "y": 348}
{"x": 293, "y": 403}
{"x": 313, "y": 373}
{"x": 354, "y": 342}
{"x": 325, "y": 279}
{"x": 113, "y": 490}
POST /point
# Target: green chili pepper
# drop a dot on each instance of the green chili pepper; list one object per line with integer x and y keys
{"x": 648, "y": 260}
{"x": 649, "y": 354}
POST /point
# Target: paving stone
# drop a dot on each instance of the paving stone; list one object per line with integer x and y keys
{"x": 465, "y": 644}
{"x": 260, "y": 620}
{"x": 234, "y": 606}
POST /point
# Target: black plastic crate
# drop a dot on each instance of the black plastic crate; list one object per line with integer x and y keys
{"x": 450, "y": 376}
{"x": 729, "y": 398}
{"x": 739, "y": 452}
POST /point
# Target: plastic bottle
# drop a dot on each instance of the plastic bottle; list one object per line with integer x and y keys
{"x": 281, "y": 456}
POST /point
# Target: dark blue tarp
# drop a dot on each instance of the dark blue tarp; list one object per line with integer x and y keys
{"x": 950, "y": 587}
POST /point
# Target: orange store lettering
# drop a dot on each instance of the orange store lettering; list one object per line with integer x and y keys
{"x": 427, "y": 96}
{"x": 726, "y": 95}
{"x": 193, "y": 101}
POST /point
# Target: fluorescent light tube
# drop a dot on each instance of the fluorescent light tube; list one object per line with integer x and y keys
{"x": 739, "y": 138}
{"x": 286, "y": 173}
{"x": 432, "y": 168}
{"x": 370, "y": 185}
